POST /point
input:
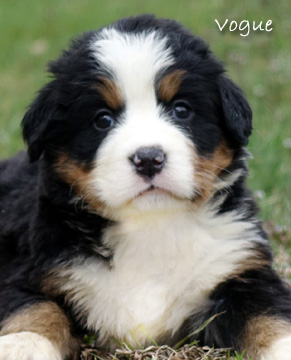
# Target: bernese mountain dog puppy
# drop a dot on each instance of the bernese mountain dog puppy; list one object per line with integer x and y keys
{"x": 128, "y": 217}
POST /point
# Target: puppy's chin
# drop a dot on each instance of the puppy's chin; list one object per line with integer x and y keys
{"x": 152, "y": 202}
{"x": 148, "y": 204}
{"x": 157, "y": 202}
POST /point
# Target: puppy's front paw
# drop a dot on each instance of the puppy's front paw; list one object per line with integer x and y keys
{"x": 27, "y": 346}
{"x": 280, "y": 350}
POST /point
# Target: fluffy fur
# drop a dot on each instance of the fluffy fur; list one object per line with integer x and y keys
{"x": 129, "y": 217}
{"x": 27, "y": 346}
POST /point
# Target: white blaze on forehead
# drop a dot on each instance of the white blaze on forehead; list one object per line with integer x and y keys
{"x": 134, "y": 60}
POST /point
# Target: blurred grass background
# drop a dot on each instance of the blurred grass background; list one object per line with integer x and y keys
{"x": 33, "y": 32}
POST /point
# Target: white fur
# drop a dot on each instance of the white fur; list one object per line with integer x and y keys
{"x": 163, "y": 269}
{"x": 134, "y": 60}
{"x": 168, "y": 256}
{"x": 27, "y": 346}
{"x": 280, "y": 350}
{"x": 114, "y": 178}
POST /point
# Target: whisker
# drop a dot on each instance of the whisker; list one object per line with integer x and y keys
{"x": 220, "y": 168}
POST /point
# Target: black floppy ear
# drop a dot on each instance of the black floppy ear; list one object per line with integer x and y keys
{"x": 35, "y": 121}
{"x": 236, "y": 111}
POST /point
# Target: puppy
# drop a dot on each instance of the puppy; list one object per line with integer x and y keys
{"x": 128, "y": 216}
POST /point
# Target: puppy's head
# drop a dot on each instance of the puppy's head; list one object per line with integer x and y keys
{"x": 139, "y": 115}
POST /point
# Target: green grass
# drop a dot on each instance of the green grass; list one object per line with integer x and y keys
{"x": 33, "y": 32}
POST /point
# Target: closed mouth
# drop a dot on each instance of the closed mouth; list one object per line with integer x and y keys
{"x": 155, "y": 190}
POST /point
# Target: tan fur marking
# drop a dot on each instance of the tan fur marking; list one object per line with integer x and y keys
{"x": 77, "y": 176}
{"x": 261, "y": 332}
{"x": 72, "y": 172}
{"x": 257, "y": 261}
{"x": 45, "y": 319}
{"x": 52, "y": 284}
{"x": 110, "y": 93}
{"x": 170, "y": 84}
{"x": 208, "y": 171}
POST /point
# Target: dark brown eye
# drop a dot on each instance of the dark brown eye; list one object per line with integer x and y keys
{"x": 104, "y": 120}
{"x": 182, "y": 111}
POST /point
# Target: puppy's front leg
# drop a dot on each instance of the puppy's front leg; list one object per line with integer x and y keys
{"x": 268, "y": 338}
{"x": 37, "y": 332}
{"x": 254, "y": 310}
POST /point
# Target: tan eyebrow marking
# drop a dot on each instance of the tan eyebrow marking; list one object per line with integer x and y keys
{"x": 170, "y": 84}
{"x": 110, "y": 92}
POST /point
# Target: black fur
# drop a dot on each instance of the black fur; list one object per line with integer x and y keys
{"x": 40, "y": 227}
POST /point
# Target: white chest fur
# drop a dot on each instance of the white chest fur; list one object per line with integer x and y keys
{"x": 162, "y": 272}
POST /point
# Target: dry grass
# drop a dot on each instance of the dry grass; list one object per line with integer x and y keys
{"x": 160, "y": 353}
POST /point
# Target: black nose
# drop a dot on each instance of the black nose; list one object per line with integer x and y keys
{"x": 148, "y": 161}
